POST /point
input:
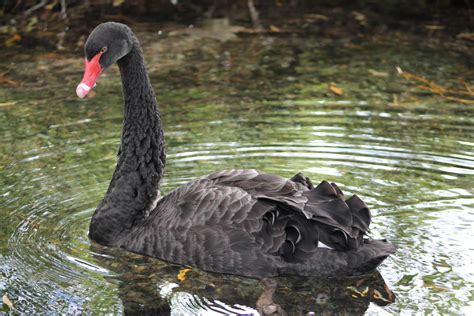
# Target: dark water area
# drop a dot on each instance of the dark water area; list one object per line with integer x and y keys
{"x": 332, "y": 108}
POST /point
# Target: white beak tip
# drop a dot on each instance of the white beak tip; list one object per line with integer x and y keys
{"x": 82, "y": 90}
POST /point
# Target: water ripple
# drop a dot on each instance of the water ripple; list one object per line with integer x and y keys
{"x": 412, "y": 165}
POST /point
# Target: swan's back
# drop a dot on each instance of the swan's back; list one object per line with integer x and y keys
{"x": 255, "y": 224}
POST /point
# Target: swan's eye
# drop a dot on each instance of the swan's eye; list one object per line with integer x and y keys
{"x": 103, "y": 49}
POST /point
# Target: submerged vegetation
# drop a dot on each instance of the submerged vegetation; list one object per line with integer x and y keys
{"x": 61, "y": 26}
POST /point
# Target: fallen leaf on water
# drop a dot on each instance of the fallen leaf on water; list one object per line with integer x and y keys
{"x": 432, "y": 27}
{"x": 9, "y": 42}
{"x": 273, "y": 28}
{"x": 359, "y": 17}
{"x": 117, "y": 3}
{"x": 366, "y": 291}
{"x": 140, "y": 268}
{"x": 7, "y": 301}
{"x": 182, "y": 274}
{"x": 31, "y": 24}
{"x": 377, "y": 73}
{"x": 7, "y": 104}
{"x": 316, "y": 17}
{"x": 466, "y": 36}
{"x": 4, "y": 80}
{"x": 335, "y": 89}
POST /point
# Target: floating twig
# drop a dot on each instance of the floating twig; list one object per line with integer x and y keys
{"x": 456, "y": 95}
{"x": 35, "y": 7}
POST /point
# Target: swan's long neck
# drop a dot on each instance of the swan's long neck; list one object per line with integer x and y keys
{"x": 133, "y": 190}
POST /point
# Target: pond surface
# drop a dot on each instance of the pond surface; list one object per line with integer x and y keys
{"x": 257, "y": 101}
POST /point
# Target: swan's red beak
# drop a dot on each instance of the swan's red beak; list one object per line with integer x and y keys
{"x": 91, "y": 73}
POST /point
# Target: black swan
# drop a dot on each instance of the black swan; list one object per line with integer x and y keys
{"x": 242, "y": 222}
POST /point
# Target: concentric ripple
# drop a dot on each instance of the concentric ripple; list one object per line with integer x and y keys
{"x": 413, "y": 165}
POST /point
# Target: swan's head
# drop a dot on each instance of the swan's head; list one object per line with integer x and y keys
{"x": 107, "y": 43}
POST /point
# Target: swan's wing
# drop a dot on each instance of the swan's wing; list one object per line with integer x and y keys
{"x": 343, "y": 222}
{"x": 211, "y": 226}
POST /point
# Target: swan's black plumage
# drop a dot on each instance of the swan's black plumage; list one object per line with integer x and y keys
{"x": 243, "y": 222}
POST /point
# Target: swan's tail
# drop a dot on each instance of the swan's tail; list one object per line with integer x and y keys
{"x": 330, "y": 262}
{"x": 368, "y": 257}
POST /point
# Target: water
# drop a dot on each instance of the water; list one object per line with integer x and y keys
{"x": 259, "y": 102}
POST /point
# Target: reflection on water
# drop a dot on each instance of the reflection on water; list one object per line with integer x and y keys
{"x": 149, "y": 286}
{"x": 254, "y": 103}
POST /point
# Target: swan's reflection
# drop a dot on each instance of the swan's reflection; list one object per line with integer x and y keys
{"x": 151, "y": 287}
